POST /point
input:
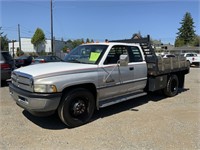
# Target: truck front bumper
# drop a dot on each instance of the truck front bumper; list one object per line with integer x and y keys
{"x": 35, "y": 102}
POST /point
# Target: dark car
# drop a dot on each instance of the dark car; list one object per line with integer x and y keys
{"x": 6, "y": 64}
{"x": 46, "y": 59}
{"x": 23, "y": 61}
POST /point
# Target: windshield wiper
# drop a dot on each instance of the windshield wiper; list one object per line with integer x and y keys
{"x": 74, "y": 61}
{"x": 77, "y": 61}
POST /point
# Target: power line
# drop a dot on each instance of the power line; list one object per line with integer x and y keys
{"x": 9, "y": 28}
{"x": 35, "y": 4}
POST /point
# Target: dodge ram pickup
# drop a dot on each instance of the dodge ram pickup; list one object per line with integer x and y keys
{"x": 96, "y": 75}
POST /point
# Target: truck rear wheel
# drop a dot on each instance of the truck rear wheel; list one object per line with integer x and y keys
{"x": 171, "y": 88}
{"x": 77, "y": 107}
{"x": 189, "y": 63}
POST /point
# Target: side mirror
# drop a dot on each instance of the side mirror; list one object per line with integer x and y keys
{"x": 124, "y": 60}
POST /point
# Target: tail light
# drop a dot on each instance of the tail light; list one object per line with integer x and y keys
{"x": 5, "y": 66}
{"x": 33, "y": 60}
{"x": 42, "y": 61}
{"x": 21, "y": 61}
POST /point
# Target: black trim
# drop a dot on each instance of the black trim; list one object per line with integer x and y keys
{"x": 33, "y": 95}
{"x": 132, "y": 40}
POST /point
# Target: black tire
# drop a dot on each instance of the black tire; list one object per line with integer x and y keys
{"x": 171, "y": 88}
{"x": 77, "y": 107}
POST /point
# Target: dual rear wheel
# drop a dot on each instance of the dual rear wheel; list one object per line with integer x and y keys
{"x": 171, "y": 88}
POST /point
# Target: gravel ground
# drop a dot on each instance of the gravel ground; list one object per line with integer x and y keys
{"x": 149, "y": 122}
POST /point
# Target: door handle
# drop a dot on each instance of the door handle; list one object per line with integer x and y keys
{"x": 131, "y": 68}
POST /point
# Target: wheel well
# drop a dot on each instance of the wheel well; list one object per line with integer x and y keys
{"x": 89, "y": 86}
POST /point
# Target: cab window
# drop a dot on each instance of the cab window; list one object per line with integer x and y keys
{"x": 114, "y": 54}
{"x": 135, "y": 54}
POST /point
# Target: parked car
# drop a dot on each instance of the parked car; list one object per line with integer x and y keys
{"x": 192, "y": 58}
{"x": 6, "y": 65}
{"x": 168, "y": 56}
{"x": 23, "y": 61}
{"x": 46, "y": 59}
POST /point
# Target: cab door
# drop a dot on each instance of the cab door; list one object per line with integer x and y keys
{"x": 134, "y": 76}
{"x": 109, "y": 79}
{"x": 115, "y": 80}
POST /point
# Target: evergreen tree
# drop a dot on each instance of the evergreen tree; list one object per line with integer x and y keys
{"x": 196, "y": 41}
{"x": 87, "y": 40}
{"x": 186, "y": 32}
{"x": 179, "y": 42}
{"x": 82, "y": 40}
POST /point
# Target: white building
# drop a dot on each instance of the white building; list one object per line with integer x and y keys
{"x": 28, "y": 47}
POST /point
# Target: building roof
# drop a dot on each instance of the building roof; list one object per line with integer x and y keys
{"x": 186, "y": 48}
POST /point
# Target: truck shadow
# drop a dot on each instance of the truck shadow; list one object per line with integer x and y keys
{"x": 195, "y": 66}
{"x": 51, "y": 122}
{"x": 54, "y": 123}
{"x": 131, "y": 105}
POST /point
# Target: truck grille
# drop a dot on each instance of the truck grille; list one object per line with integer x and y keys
{"x": 23, "y": 81}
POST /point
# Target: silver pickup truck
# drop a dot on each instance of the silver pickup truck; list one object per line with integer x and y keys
{"x": 93, "y": 76}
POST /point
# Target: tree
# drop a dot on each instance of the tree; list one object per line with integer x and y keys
{"x": 19, "y": 52}
{"x": 38, "y": 38}
{"x": 179, "y": 42}
{"x": 64, "y": 49}
{"x": 87, "y": 40}
{"x": 3, "y": 41}
{"x": 186, "y": 32}
{"x": 77, "y": 42}
{"x": 82, "y": 41}
{"x": 196, "y": 41}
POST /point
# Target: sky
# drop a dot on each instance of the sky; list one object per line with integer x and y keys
{"x": 98, "y": 19}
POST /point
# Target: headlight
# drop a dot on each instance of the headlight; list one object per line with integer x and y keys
{"x": 43, "y": 88}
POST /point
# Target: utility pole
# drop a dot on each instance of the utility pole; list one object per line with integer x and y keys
{"x": 52, "y": 45}
{"x": 19, "y": 38}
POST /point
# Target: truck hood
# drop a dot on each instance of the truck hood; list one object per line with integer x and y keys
{"x": 55, "y": 68}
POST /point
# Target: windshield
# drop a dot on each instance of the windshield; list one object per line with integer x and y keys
{"x": 87, "y": 54}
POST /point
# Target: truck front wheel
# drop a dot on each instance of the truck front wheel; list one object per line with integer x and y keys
{"x": 77, "y": 107}
{"x": 171, "y": 88}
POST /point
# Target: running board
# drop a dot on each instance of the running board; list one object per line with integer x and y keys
{"x": 116, "y": 100}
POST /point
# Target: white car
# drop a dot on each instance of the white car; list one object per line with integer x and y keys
{"x": 168, "y": 56}
{"x": 193, "y": 58}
